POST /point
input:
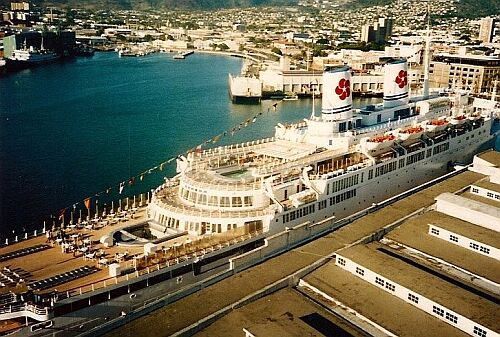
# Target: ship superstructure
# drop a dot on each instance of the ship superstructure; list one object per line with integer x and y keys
{"x": 329, "y": 165}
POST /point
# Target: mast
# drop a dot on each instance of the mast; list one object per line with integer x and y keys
{"x": 494, "y": 93}
{"x": 426, "y": 55}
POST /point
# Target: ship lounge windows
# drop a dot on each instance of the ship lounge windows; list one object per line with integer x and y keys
{"x": 370, "y": 174}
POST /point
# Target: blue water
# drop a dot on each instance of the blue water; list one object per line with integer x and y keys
{"x": 70, "y": 130}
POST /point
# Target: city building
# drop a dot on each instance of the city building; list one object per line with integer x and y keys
{"x": 486, "y": 30}
{"x": 377, "y": 32}
{"x": 471, "y": 72}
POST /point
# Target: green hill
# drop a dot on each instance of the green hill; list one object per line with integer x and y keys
{"x": 158, "y": 4}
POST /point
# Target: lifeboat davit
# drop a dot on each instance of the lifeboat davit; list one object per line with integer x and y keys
{"x": 436, "y": 125}
{"x": 458, "y": 120}
{"x": 410, "y": 133}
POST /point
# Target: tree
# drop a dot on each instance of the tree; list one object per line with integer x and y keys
{"x": 276, "y": 50}
{"x": 223, "y": 47}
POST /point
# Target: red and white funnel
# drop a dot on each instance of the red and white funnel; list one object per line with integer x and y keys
{"x": 396, "y": 83}
{"x": 337, "y": 96}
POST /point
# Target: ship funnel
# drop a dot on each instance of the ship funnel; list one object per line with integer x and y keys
{"x": 337, "y": 98}
{"x": 396, "y": 83}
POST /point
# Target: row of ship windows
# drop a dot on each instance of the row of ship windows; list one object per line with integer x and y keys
{"x": 472, "y": 245}
{"x": 297, "y": 214}
{"x": 488, "y": 194}
{"x": 214, "y": 200}
{"x": 414, "y": 298}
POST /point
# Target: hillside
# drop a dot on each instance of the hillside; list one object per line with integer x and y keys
{"x": 158, "y": 4}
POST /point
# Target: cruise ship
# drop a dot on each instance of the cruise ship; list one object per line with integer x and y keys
{"x": 330, "y": 165}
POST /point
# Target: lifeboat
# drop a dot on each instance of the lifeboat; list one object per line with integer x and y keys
{"x": 474, "y": 116}
{"x": 413, "y": 132}
{"x": 458, "y": 120}
{"x": 436, "y": 125}
{"x": 378, "y": 143}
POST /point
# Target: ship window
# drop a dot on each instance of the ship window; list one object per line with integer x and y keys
{"x": 360, "y": 271}
{"x": 224, "y": 202}
{"x": 342, "y": 127}
{"x": 247, "y": 201}
{"x": 213, "y": 201}
{"x": 237, "y": 202}
{"x": 453, "y": 238}
{"x": 370, "y": 174}
{"x": 435, "y": 231}
{"x": 203, "y": 199}
{"x": 379, "y": 281}
{"x": 475, "y": 190}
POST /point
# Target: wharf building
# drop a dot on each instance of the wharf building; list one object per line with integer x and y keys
{"x": 437, "y": 265}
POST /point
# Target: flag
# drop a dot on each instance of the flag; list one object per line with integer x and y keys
{"x": 254, "y": 119}
{"x": 142, "y": 177}
{"x": 122, "y": 185}
{"x": 216, "y": 139}
{"x": 198, "y": 149}
{"x": 161, "y": 167}
{"x": 108, "y": 190}
{"x": 131, "y": 181}
{"x": 61, "y": 214}
{"x": 87, "y": 203}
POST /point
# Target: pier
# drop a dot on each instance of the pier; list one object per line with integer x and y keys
{"x": 182, "y": 56}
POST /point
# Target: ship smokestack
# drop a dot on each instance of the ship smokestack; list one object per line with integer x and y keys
{"x": 396, "y": 83}
{"x": 337, "y": 96}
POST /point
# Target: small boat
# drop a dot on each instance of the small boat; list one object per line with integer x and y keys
{"x": 474, "y": 116}
{"x": 436, "y": 125}
{"x": 458, "y": 120}
{"x": 378, "y": 143}
{"x": 291, "y": 98}
{"x": 410, "y": 133}
{"x": 179, "y": 57}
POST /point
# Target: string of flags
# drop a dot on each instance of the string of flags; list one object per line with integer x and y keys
{"x": 197, "y": 149}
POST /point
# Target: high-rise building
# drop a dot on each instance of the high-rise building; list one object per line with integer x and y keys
{"x": 486, "y": 29}
{"x": 377, "y": 32}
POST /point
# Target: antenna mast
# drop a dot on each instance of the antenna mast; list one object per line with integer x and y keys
{"x": 426, "y": 55}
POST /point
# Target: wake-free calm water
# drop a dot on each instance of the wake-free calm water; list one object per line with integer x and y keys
{"x": 72, "y": 129}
